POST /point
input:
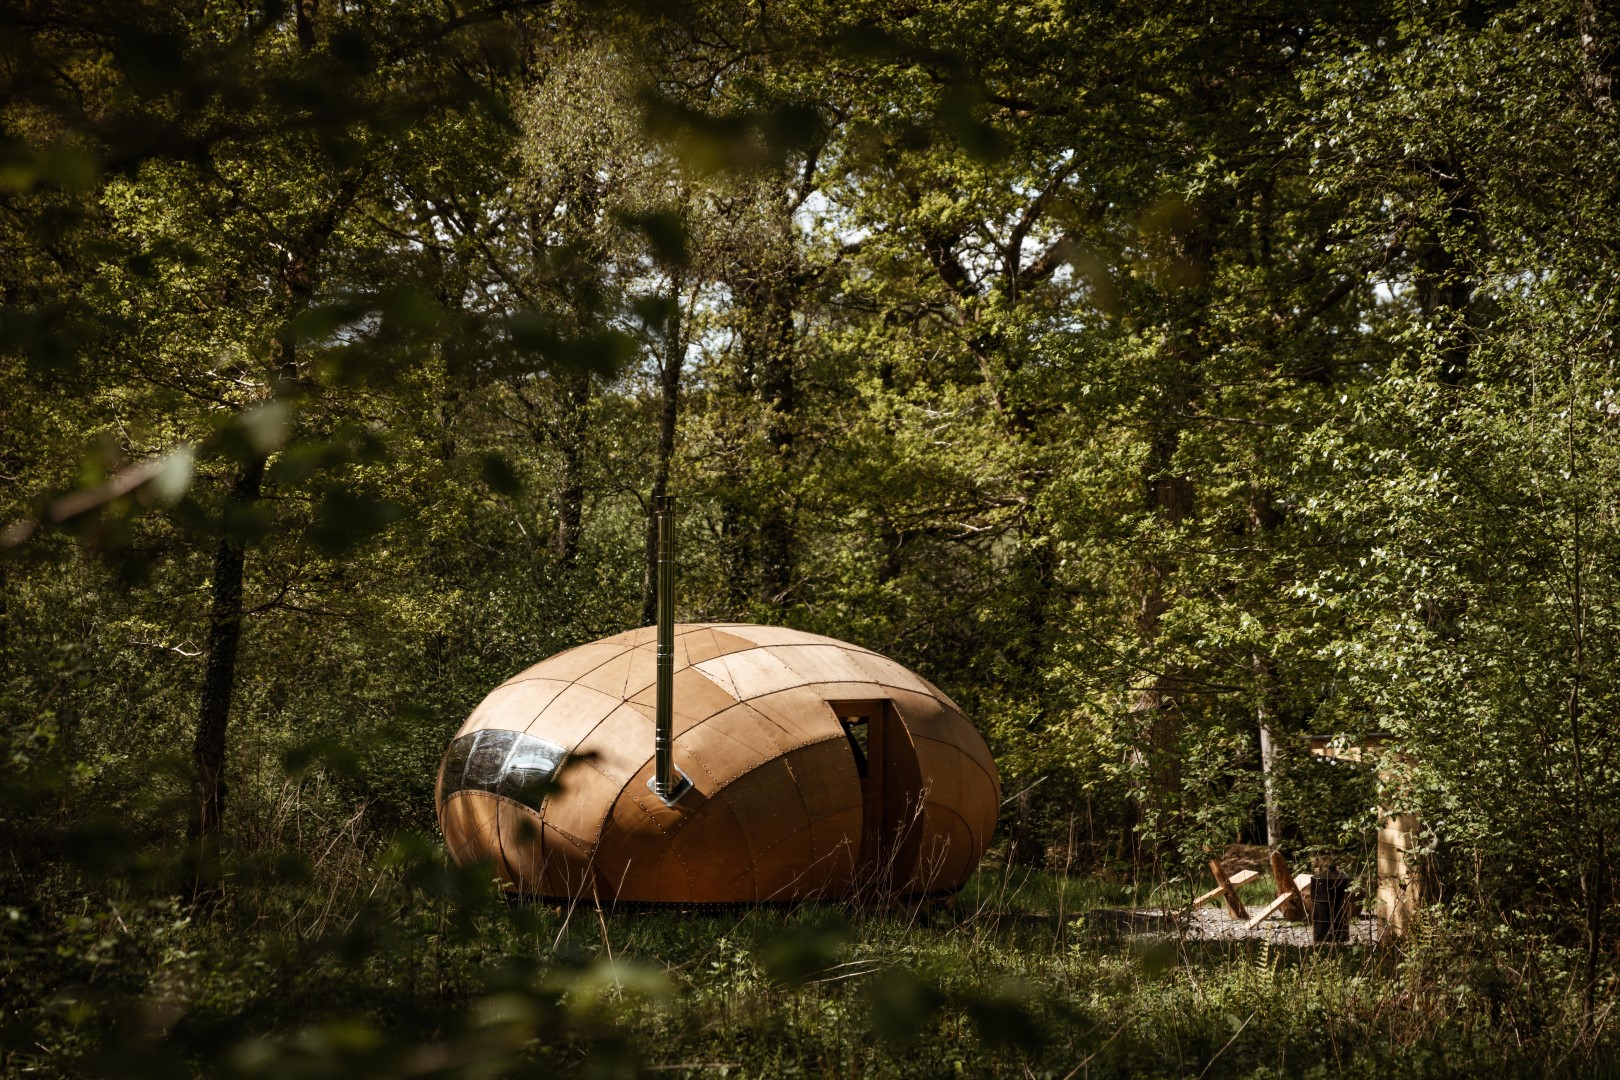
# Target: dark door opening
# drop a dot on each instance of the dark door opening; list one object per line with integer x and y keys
{"x": 891, "y": 793}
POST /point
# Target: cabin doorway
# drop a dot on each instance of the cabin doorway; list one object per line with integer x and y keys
{"x": 891, "y": 793}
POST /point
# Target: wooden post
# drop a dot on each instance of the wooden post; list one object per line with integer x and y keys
{"x": 1401, "y": 884}
{"x": 1265, "y": 912}
{"x": 1293, "y": 906}
{"x": 1234, "y": 906}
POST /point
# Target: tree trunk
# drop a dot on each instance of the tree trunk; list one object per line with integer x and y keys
{"x": 1595, "y": 898}
{"x": 1598, "y": 32}
{"x": 1268, "y": 761}
{"x": 219, "y": 673}
{"x": 758, "y": 530}
{"x": 1169, "y": 496}
{"x": 1026, "y": 849}
{"x": 571, "y": 486}
{"x": 737, "y": 554}
{"x": 305, "y": 22}
{"x": 669, "y": 387}
{"x": 208, "y": 751}
{"x": 774, "y": 367}
{"x": 1264, "y": 519}
{"x": 1445, "y": 280}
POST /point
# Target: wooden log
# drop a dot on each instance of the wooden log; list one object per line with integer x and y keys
{"x": 1293, "y": 902}
{"x": 1234, "y": 906}
{"x": 1270, "y": 908}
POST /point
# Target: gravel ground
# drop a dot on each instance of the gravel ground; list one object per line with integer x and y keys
{"x": 1213, "y": 924}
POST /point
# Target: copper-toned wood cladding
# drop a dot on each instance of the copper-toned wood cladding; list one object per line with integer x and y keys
{"x": 818, "y": 769}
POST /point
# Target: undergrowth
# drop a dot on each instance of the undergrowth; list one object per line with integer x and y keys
{"x": 424, "y": 969}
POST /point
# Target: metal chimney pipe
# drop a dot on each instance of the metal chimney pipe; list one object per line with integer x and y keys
{"x": 665, "y": 782}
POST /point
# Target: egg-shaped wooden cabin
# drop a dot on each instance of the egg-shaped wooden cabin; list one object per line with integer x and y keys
{"x": 816, "y": 768}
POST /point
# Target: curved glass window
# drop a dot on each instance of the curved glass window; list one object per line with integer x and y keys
{"x": 507, "y": 763}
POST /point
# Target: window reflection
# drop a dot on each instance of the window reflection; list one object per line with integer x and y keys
{"x": 488, "y": 754}
{"x": 529, "y": 770}
{"x": 455, "y": 765}
{"x": 508, "y": 763}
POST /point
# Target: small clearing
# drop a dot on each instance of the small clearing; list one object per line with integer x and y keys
{"x": 1213, "y": 924}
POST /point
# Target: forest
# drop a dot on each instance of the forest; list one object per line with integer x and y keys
{"x": 1176, "y": 384}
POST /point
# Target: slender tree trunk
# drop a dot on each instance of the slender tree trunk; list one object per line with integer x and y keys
{"x": 1026, "y": 849}
{"x": 1595, "y": 893}
{"x": 219, "y": 672}
{"x": 1169, "y": 496}
{"x": 1593, "y": 867}
{"x": 1598, "y": 30}
{"x": 778, "y": 531}
{"x": 571, "y": 485}
{"x": 669, "y": 399}
{"x": 1268, "y": 765}
{"x": 297, "y": 285}
{"x": 307, "y": 12}
{"x": 737, "y": 552}
{"x": 1445, "y": 279}
{"x": 893, "y": 543}
{"x": 1264, "y": 519}
{"x": 759, "y": 534}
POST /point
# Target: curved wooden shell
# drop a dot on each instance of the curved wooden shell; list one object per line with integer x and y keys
{"x": 817, "y": 768}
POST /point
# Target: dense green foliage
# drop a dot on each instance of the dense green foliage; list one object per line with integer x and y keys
{"x": 1147, "y": 377}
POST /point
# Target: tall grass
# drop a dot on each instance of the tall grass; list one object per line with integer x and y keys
{"x": 394, "y": 963}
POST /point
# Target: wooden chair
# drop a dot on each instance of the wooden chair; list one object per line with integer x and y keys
{"x": 1293, "y": 894}
{"x": 1226, "y": 888}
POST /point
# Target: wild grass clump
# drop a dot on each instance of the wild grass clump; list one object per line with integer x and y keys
{"x": 355, "y": 956}
{"x": 997, "y": 983}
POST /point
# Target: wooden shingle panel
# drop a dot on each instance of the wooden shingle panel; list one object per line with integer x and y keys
{"x": 514, "y": 705}
{"x": 625, "y": 675}
{"x": 697, "y": 697}
{"x": 800, "y": 714}
{"x": 768, "y": 805}
{"x": 582, "y": 801}
{"x": 565, "y": 865}
{"x": 706, "y": 643}
{"x": 711, "y": 852}
{"x": 822, "y": 663}
{"x": 469, "y": 819}
{"x": 729, "y": 745}
{"x": 571, "y": 716}
{"x": 618, "y": 746}
{"x": 930, "y": 718}
{"x": 571, "y": 665}
{"x": 750, "y": 674}
{"x": 757, "y": 634}
{"x": 948, "y": 851}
